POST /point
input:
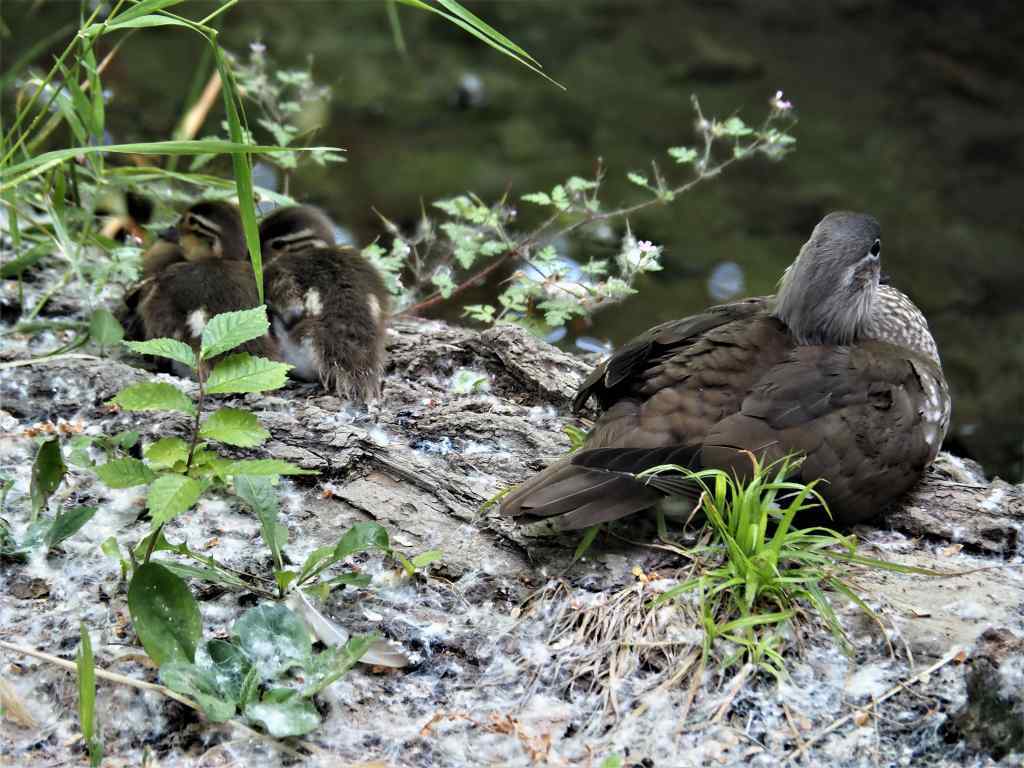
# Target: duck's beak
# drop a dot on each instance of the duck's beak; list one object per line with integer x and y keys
{"x": 170, "y": 234}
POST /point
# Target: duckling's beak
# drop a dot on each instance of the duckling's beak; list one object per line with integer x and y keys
{"x": 884, "y": 279}
{"x": 170, "y": 234}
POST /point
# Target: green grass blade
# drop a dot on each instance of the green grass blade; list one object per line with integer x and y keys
{"x": 9, "y": 177}
{"x": 243, "y": 169}
{"x": 468, "y": 27}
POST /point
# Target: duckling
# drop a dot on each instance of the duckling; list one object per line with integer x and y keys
{"x": 328, "y": 305}
{"x": 196, "y": 271}
{"x": 208, "y": 229}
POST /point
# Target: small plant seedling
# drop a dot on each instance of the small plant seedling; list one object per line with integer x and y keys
{"x": 87, "y": 699}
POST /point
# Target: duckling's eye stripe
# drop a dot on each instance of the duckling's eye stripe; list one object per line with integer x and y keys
{"x": 203, "y": 224}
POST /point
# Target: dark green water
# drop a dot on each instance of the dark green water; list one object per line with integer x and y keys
{"x": 910, "y": 111}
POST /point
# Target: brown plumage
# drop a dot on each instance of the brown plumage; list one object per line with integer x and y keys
{"x": 835, "y": 366}
{"x": 194, "y": 271}
{"x": 328, "y": 305}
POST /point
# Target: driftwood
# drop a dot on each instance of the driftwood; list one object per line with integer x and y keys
{"x": 424, "y": 464}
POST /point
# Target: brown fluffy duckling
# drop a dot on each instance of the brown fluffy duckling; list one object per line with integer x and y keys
{"x": 328, "y": 305}
{"x": 204, "y": 272}
{"x": 836, "y": 366}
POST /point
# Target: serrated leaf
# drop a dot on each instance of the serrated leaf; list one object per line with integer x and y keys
{"x": 67, "y": 524}
{"x": 154, "y": 396}
{"x": 164, "y": 613}
{"x": 227, "y": 330}
{"x": 262, "y": 467}
{"x": 734, "y": 126}
{"x": 48, "y": 470}
{"x": 104, "y": 328}
{"x": 124, "y": 473}
{"x": 169, "y": 348}
{"x": 242, "y": 372}
{"x": 166, "y": 452}
{"x": 234, "y": 426}
{"x": 170, "y": 495}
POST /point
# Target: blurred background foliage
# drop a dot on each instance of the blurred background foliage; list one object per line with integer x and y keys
{"x": 908, "y": 110}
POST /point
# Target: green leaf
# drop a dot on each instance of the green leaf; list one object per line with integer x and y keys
{"x": 170, "y": 495}
{"x": 166, "y": 452}
{"x": 48, "y": 470}
{"x": 588, "y": 538}
{"x": 125, "y": 473}
{"x": 332, "y": 663}
{"x": 315, "y": 561}
{"x": 234, "y": 426}
{"x": 259, "y": 494}
{"x": 273, "y": 638}
{"x": 164, "y": 613}
{"x": 734, "y": 127}
{"x": 261, "y": 467}
{"x": 208, "y": 574}
{"x": 229, "y": 329}
{"x": 202, "y": 685}
{"x": 242, "y": 372}
{"x": 361, "y": 537}
{"x": 426, "y": 558}
{"x": 283, "y": 712}
{"x": 230, "y": 664}
{"x": 87, "y": 697}
{"x": 67, "y": 524}
{"x": 682, "y": 155}
{"x": 169, "y": 348}
{"x": 639, "y": 179}
{"x": 537, "y": 198}
{"x": 14, "y": 175}
{"x": 104, "y": 328}
{"x": 154, "y": 396}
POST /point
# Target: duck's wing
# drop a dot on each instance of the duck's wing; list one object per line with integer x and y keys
{"x": 612, "y": 379}
{"x": 669, "y": 407}
{"x": 869, "y": 418}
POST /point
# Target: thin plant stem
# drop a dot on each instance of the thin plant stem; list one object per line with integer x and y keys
{"x": 201, "y": 378}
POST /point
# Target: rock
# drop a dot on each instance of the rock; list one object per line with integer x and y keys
{"x": 992, "y": 720}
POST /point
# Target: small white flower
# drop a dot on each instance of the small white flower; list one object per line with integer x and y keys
{"x": 779, "y": 103}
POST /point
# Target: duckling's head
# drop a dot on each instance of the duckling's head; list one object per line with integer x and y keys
{"x": 212, "y": 229}
{"x": 828, "y": 295}
{"x": 295, "y": 229}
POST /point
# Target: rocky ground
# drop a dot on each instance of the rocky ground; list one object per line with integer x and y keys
{"x": 519, "y": 657}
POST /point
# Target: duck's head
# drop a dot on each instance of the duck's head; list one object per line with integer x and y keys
{"x": 295, "y": 229}
{"x": 212, "y": 229}
{"x": 828, "y": 295}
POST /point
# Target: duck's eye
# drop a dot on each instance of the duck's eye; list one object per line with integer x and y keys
{"x": 278, "y": 245}
{"x": 876, "y": 248}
